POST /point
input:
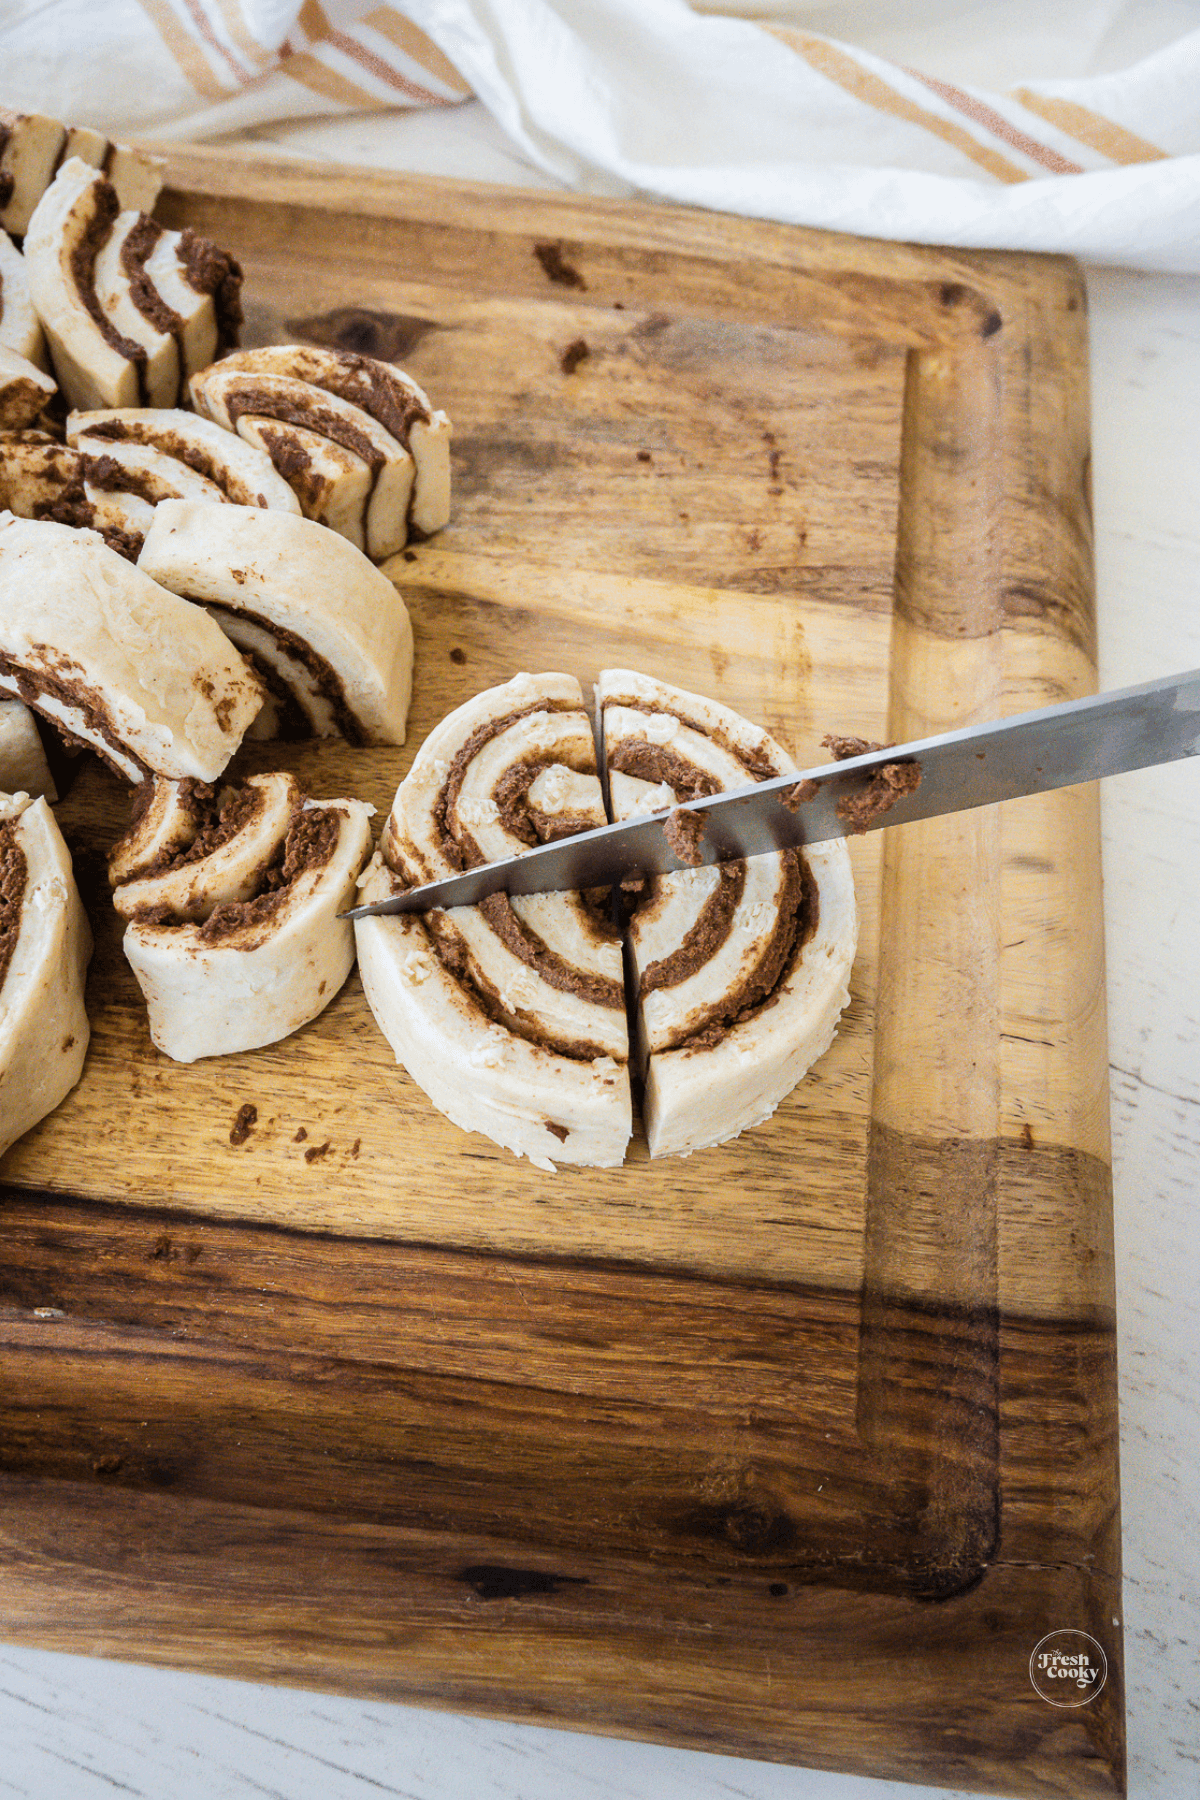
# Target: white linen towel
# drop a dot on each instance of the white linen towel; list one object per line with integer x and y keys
{"x": 755, "y": 115}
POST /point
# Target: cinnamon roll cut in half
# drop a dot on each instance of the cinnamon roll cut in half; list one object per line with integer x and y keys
{"x": 357, "y": 439}
{"x": 45, "y": 944}
{"x": 326, "y": 630}
{"x": 33, "y": 148}
{"x": 231, "y": 899}
{"x": 115, "y": 662}
{"x": 511, "y": 1014}
{"x": 127, "y": 308}
{"x": 741, "y": 969}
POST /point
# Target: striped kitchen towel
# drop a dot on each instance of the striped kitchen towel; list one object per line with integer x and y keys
{"x": 756, "y": 115}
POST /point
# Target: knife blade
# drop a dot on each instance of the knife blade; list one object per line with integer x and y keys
{"x": 1030, "y": 753}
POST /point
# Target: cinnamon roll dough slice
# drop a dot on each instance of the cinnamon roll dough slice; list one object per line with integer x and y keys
{"x": 242, "y": 473}
{"x": 223, "y": 861}
{"x": 261, "y": 963}
{"x": 347, "y": 471}
{"x": 25, "y": 391}
{"x": 45, "y": 944}
{"x": 114, "y": 336}
{"x": 330, "y": 632}
{"x": 385, "y": 394}
{"x": 148, "y": 681}
{"x": 172, "y": 292}
{"x": 390, "y": 397}
{"x": 132, "y": 312}
{"x": 742, "y": 969}
{"x": 510, "y": 1015}
{"x": 95, "y": 364}
{"x": 33, "y": 148}
{"x": 20, "y": 331}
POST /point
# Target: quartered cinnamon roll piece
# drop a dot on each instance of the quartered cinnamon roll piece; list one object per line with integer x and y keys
{"x": 510, "y": 1015}
{"x": 45, "y": 944}
{"x": 20, "y": 331}
{"x": 741, "y": 969}
{"x": 126, "y": 306}
{"x": 328, "y": 633}
{"x": 231, "y": 900}
{"x": 140, "y": 676}
{"x": 33, "y": 148}
{"x": 356, "y": 438}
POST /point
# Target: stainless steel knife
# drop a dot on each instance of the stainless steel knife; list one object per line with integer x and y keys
{"x": 1031, "y": 753}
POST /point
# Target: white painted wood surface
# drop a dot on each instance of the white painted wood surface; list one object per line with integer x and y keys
{"x": 71, "y": 1729}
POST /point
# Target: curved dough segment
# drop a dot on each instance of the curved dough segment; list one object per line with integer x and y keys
{"x": 220, "y": 865}
{"x": 385, "y": 472}
{"x": 35, "y": 148}
{"x": 88, "y": 640}
{"x": 25, "y": 390}
{"x": 124, "y": 304}
{"x": 45, "y": 944}
{"x": 510, "y": 1015}
{"x": 23, "y": 765}
{"x": 20, "y": 331}
{"x": 743, "y": 970}
{"x": 321, "y": 602}
{"x": 95, "y": 364}
{"x": 243, "y": 474}
{"x": 259, "y": 966}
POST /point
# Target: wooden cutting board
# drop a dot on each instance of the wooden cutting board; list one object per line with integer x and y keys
{"x": 796, "y": 1448}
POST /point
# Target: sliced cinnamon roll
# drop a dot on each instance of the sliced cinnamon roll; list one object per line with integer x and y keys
{"x": 102, "y": 280}
{"x": 20, "y": 331}
{"x": 328, "y": 632}
{"x": 232, "y": 902}
{"x": 243, "y": 474}
{"x": 90, "y": 642}
{"x": 357, "y": 439}
{"x": 33, "y": 148}
{"x": 25, "y": 391}
{"x": 43, "y": 479}
{"x": 45, "y": 944}
{"x": 510, "y": 1015}
{"x": 742, "y": 968}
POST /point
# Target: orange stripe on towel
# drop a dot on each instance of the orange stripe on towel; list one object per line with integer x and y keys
{"x": 835, "y": 65}
{"x": 1091, "y": 128}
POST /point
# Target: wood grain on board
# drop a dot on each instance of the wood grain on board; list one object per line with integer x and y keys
{"x": 796, "y": 1447}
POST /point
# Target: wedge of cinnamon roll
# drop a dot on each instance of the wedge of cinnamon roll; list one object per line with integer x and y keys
{"x": 231, "y": 900}
{"x": 33, "y": 148}
{"x": 741, "y": 969}
{"x": 45, "y": 944}
{"x": 126, "y": 306}
{"x": 142, "y": 677}
{"x": 356, "y": 438}
{"x": 510, "y": 1015}
{"x": 20, "y": 331}
{"x": 328, "y": 632}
